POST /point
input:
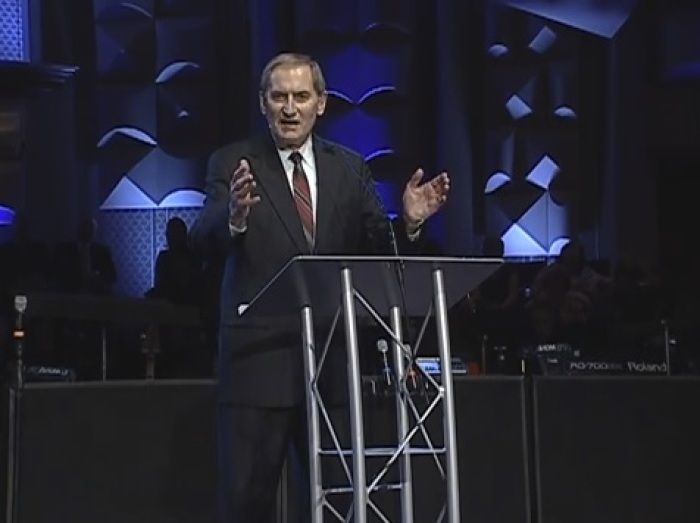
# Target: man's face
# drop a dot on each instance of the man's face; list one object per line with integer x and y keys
{"x": 291, "y": 105}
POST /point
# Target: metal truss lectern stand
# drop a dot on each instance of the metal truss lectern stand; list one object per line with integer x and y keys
{"x": 323, "y": 288}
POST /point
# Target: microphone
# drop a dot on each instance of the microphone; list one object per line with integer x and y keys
{"x": 383, "y": 348}
{"x": 18, "y": 336}
{"x": 345, "y": 154}
{"x": 20, "y": 304}
{"x": 20, "y": 308}
{"x": 398, "y": 267}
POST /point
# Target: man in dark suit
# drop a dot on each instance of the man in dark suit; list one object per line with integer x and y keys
{"x": 268, "y": 200}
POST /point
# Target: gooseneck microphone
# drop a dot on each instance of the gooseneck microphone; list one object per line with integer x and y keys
{"x": 356, "y": 172}
{"x": 399, "y": 265}
{"x": 383, "y": 348}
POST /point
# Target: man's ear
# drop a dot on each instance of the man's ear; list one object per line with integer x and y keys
{"x": 261, "y": 101}
{"x": 322, "y": 104}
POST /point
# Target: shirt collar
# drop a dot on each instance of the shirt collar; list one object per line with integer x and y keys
{"x": 306, "y": 151}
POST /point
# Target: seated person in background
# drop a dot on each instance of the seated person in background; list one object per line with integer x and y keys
{"x": 84, "y": 265}
{"x": 571, "y": 266}
{"x": 500, "y": 291}
{"x": 179, "y": 279}
{"x": 178, "y": 271}
{"x": 492, "y": 305}
{"x": 567, "y": 290}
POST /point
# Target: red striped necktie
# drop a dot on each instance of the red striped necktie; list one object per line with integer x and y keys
{"x": 302, "y": 198}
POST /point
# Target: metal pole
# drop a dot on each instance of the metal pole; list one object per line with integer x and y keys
{"x": 452, "y": 479}
{"x": 12, "y": 453}
{"x": 315, "y": 480}
{"x": 103, "y": 330}
{"x": 14, "y": 415}
{"x": 359, "y": 481}
{"x": 283, "y": 495}
{"x": 667, "y": 347}
{"x": 402, "y": 424}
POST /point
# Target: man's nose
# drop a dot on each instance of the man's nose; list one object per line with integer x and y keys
{"x": 289, "y": 106}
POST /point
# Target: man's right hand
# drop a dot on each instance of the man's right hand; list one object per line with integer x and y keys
{"x": 241, "y": 192}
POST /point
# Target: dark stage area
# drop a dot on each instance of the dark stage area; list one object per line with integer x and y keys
{"x": 544, "y": 450}
{"x": 570, "y": 131}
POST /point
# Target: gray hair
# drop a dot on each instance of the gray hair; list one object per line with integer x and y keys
{"x": 292, "y": 60}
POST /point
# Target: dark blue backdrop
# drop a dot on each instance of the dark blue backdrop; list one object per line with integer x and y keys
{"x": 512, "y": 98}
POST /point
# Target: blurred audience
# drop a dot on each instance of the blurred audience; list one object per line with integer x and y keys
{"x": 592, "y": 305}
{"x": 178, "y": 272}
{"x": 84, "y": 265}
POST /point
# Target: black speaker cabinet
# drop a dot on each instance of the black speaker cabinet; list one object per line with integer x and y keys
{"x": 139, "y": 452}
{"x": 146, "y": 453}
{"x": 617, "y": 450}
{"x": 492, "y": 441}
{"x": 492, "y": 433}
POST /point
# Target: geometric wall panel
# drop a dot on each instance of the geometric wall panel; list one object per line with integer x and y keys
{"x": 537, "y": 231}
{"x": 110, "y": 11}
{"x": 351, "y": 18}
{"x": 366, "y": 51}
{"x": 517, "y": 107}
{"x": 543, "y": 173}
{"x": 601, "y": 18}
{"x": 520, "y": 243}
{"x": 543, "y": 40}
{"x": 514, "y": 199}
{"x": 125, "y": 49}
{"x": 127, "y": 104}
{"x": 128, "y": 195}
{"x": 174, "y": 39}
{"x": 363, "y": 131}
{"x": 12, "y": 30}
{"x": 120, "y": 153}
{"x": 130, "y": 234}
{"x": 156, "y": 121}
{"x": 356, "y": 70}
{"x": 541, "y": 231}
{"x": 136, "y": 237}
{"x": 185, "y": 111}
{"x": 532, "y": 131}
{"x": 159, "y": 174}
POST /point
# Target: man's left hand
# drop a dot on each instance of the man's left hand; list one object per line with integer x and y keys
{"x": 422, "y": 200}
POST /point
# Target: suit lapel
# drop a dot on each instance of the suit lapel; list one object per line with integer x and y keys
{"x": 328, "y": 177}
{"x": 275, "y": 187}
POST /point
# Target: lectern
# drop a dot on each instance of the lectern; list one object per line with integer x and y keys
{"x": 385, "y": 289}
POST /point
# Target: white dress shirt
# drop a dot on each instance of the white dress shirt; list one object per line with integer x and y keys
{"x": 309, "y": 165}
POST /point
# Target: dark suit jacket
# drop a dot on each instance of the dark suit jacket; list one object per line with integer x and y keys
{"x": 260, "y": 362}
